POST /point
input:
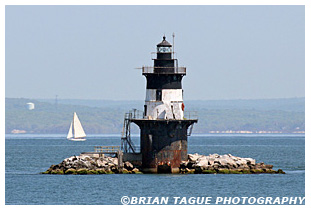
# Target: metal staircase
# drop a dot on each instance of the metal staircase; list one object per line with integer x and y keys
{"x": 127, "y": 144}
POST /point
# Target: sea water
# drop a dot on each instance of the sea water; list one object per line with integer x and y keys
{"x": 28, "y": 155}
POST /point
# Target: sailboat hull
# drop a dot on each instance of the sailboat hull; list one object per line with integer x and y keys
{"x": 73, "y": 139}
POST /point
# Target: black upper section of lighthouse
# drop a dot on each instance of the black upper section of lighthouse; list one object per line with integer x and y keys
{"x": 164, "y": 57}
{"x": 165, "y": 74}
{"x": 164, "y": 52}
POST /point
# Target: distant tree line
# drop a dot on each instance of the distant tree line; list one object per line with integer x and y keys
{"x": 49, "y": 118}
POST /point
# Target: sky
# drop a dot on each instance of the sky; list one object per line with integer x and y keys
{"x": 94, "y": 52}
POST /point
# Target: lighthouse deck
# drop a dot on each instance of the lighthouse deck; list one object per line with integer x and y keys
{"x": 135, "y": 115}
{"x": 163, "y": 120}
{"x": 163, "y": 70}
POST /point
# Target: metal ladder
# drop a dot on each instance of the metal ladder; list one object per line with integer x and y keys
{"x": 127, "y": 144}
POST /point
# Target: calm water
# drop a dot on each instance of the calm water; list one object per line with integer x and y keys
{"x": 28, "y": 155}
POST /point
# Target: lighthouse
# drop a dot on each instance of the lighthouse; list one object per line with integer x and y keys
{"x": 163, "y": 123}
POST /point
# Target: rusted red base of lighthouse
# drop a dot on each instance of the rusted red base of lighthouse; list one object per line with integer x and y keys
{"x": 163, "y": 144}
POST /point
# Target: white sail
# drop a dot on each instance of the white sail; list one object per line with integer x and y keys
{"x": 70, "y": 132}
{"x": 78, "y": 131}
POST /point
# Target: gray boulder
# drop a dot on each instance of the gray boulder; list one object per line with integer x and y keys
{"x": 194, "y": 157}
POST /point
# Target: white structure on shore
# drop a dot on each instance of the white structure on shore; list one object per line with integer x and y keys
{"x": 30, "y": 106}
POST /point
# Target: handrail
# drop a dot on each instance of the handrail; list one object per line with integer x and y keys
{"x": 170, "y": 70}
{"x": 108, "y": 149}
{"x": 137, "y": 114}
{"x": 190, "y": 115}
{"x": 134, "y": 114}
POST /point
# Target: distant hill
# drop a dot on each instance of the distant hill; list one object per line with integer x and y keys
{"x": 106, "y": 117}
{"x": 48, "y": 118}
{"x": 284, "y": 104}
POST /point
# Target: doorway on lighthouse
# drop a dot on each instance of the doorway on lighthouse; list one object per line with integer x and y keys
{"x": 164, "y": 169}
{"x": 159, "y": 95}
{"x": 163, "y": 162}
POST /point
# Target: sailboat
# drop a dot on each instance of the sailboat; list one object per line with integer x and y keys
{"x": 76, "y": 132}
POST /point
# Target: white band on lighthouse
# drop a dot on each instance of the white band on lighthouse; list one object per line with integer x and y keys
{"x": 164, "y": 104}
{"x": 166, "y": 95}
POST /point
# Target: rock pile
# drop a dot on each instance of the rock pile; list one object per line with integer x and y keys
{"x": 91, "y": 165}
{"x": 211, "y": 164}
{"x": 224, "y": 164}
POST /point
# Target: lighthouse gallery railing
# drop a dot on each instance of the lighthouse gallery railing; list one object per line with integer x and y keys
{"x": 151, "y": 70}
{"x": 137, "y": 114}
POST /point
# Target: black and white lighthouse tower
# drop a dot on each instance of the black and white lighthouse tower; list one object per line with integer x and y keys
{"x": 164, "y": 125}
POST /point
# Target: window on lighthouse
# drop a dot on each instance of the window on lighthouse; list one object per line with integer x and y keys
{"x": 145, "y": 110}
{"x": 159, "y": 95}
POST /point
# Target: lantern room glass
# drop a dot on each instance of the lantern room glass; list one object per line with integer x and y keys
{"x": 164, "y": 49}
